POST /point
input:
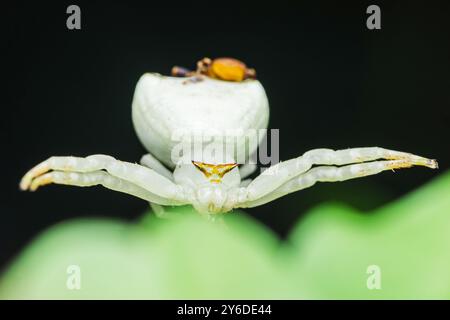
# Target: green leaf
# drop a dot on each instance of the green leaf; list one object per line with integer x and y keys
{"x": 326, "y": 256}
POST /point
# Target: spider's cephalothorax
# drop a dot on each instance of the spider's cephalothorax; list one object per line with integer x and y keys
{"x": 209, "y": 183}
{"x": 221, "y": 95}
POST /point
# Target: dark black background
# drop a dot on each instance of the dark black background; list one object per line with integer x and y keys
{"x": 331, "y": 83}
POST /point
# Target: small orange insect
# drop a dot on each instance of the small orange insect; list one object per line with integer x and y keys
{"x": 227, "y": 69}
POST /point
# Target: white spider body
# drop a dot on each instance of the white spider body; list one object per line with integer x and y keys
{"x": 212, "y": 183}
{"x": 165, "y": 109}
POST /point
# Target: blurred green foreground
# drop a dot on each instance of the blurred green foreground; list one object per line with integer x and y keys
{"x": 327, "y": 256}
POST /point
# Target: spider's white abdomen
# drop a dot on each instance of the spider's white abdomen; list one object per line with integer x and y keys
{"x": 164, "y": 107}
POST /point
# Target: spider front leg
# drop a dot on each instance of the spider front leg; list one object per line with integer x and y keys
{"x": 88, "y": 179}
{"x": 276, "y": 176}
{"x": 329, "y": 174}
{"x": 105, "y": 170}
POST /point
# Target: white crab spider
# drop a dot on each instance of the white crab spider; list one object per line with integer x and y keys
{"x": 211, "y": 185}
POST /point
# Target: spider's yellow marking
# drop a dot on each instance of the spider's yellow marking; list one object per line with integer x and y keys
{"x": 41, "y": 181}
{"x": 30, "y": 175}
{"x": 217, "y": 171}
